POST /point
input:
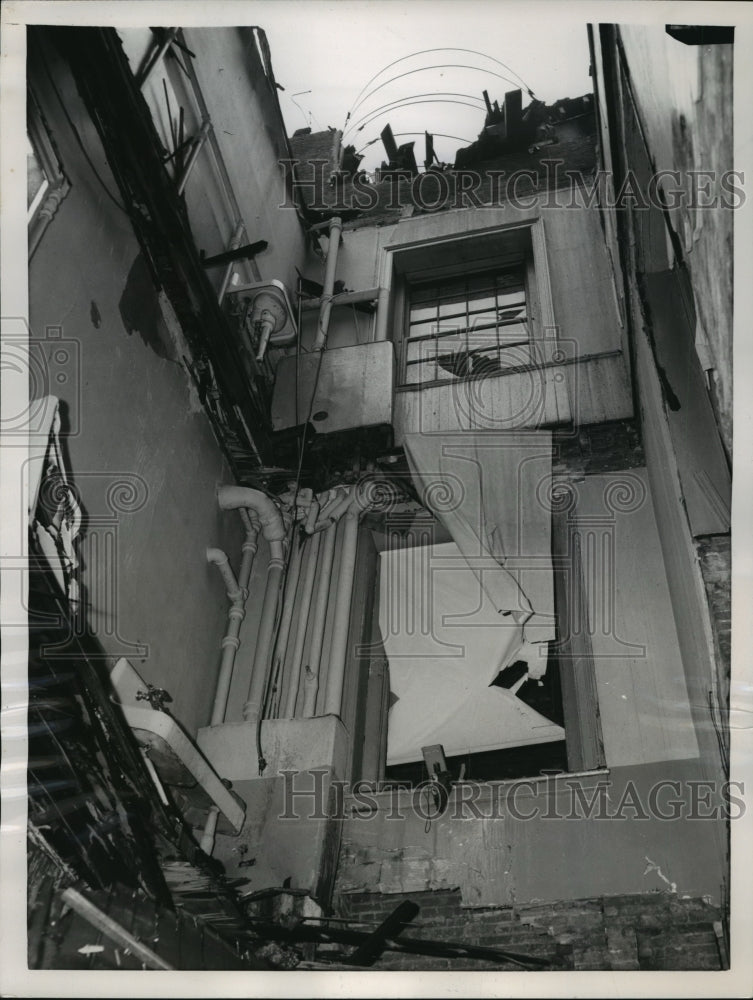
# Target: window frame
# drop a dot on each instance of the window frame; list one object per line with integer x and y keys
{"x": 439, "y": 328}
{"x": 471, "y": 253}
{"x": 58, "y": 186}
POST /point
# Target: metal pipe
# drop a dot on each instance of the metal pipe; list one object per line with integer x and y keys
{"x": 335, "y": 230}
{"x": 230, "y": 641}
{"x": 286, "y": 619}
{"x": 303, "y": 617}
{"x": 237, "y": 593}
{"x": 221, "y": 561}
{"x": 273, "y": 529}
{"x": 250, "y": 545}
{"x": 236, "y": 497}
{"x": 343, "y": 600}
{"x": 311, "y": 678}
{"x": 345, "y": 298}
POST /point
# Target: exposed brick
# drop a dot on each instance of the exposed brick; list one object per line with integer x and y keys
{"x": 653, "y": 930}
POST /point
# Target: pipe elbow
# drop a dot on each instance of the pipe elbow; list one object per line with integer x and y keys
{"x": 217, "y": 557}
{"x": 311, "y": 517}
{"x": 270, "y": 519}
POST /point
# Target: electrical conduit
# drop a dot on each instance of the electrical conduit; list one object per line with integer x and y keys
{"x": 335, "y": 231}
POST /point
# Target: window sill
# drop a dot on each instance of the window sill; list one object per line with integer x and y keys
{"x": 489, "y": 792}
{"x": 512, "y": 370}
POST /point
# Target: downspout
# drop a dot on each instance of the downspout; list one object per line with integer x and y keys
{"x": 273, "y": 529}
{"x": 335, "y": 231}
{"x": 249, "y": 547}
{"x": 237, "y": 592}
{"x": 230, "y": 642}
{"x": 341, "y": 622}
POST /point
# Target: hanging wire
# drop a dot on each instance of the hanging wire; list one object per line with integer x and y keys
{"x": 425, "y": 69}
{"x": 421, "y": 52}
{"x": 299, "y": 93}
{"x": 407, "y": 103}
{"x": 436, "y": 94}
{"x": 399, "y": 135}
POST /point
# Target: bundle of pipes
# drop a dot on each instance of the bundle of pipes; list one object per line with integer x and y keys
{"x": 320, "y": 515}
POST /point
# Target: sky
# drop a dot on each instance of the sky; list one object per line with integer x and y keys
{"x": 325, "y": 53}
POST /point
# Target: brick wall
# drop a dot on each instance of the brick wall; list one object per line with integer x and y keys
{"x": 598, "y": 448}
{"x": 649, "y": 931}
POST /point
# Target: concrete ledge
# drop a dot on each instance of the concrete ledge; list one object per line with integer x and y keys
{"x": 287, "y": 744}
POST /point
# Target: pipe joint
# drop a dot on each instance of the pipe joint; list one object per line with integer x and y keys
{"x": 218, "y": 558}
{"x": 230, "y": 642}
{"x": 236, "y": 612}
{"x": 270, "y": 519}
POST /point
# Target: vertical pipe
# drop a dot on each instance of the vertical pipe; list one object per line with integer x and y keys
{"x": 303, "y": 617}
{"x": 311, "y": 679}
{"x": 230, "y": 641}
{"x": 270, "y": 520}
{"x": 275, "y": 567}
{"x": 288, "y": 607}
{"x": 249, "y": 547}
{"x": 335, "y": 229}
{"x": 341, "y": 622}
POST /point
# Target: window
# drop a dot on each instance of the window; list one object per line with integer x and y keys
{"x": 470, "y": 305}
{"x": 46, "y": 182}
{"x": 466, "y": 326}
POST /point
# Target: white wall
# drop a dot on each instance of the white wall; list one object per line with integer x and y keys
{"x": 643, "y": 698}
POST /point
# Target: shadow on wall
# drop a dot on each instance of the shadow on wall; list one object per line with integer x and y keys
{"x": 141, "y": 312}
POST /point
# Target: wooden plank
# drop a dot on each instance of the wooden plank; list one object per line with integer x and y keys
{"x": 368, "y": 952}
{"x": 113, "y": 930}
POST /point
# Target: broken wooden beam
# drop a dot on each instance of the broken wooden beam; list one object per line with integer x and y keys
{"x": 390, "y": 927}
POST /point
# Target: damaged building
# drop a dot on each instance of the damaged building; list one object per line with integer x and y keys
{"x": 379, "y": 536}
